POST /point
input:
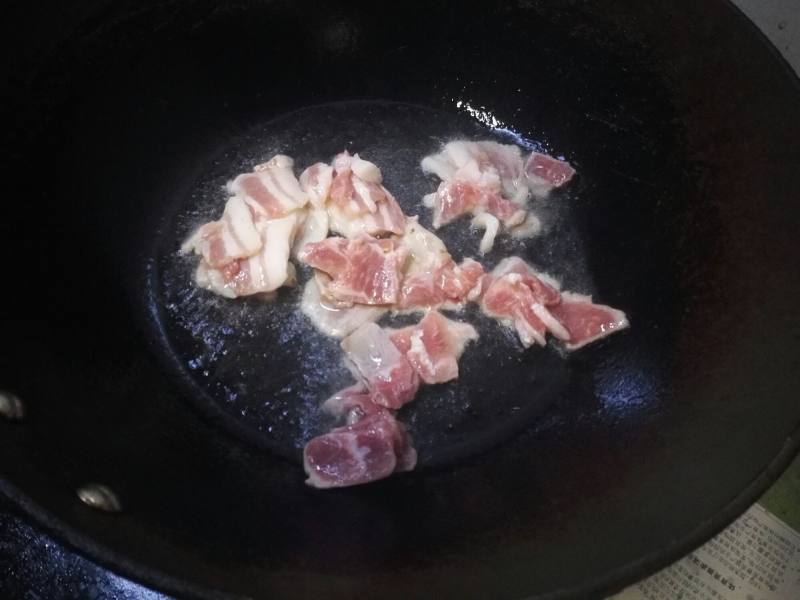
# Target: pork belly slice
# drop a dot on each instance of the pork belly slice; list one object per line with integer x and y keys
{"x": 380, "y": 366}
{"x": 263, "y": 272}
{"x": 371, "y": 448}
{"x": 531, "y": 302}
{"x": 488, "y": 178}
{"x": 585, "y": 321}
{"x": 364, "y": 270}
{"x": 235, "y": 235}
{"x": 431, "y": 277}
{"x": 488, "y": 164}
{"x": 358, "y": 203}
{"x": 434, "y": 345}
{"x": 456, "y": 198}
{"x": 478, "y": 178}
{"x": 515, "y": 294}
{"x": 271, "y": 188}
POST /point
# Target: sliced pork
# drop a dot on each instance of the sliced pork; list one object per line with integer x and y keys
{"x": 332, "y": 319}
{"x": 478, "y": 178}
{"x": 456, "y": 198}
{"x": 263, "y": 272}
{"x": 384, "y": 370}
{"x": 434, "y": 345}
{"x": 531, "y": 302}
{"x": 493, "y": 179}
{"x": 234, "y": 236}
{"x": 432, "y": 278}
{"x": 515, "y": 294}
{"x": 247, "y": 251}
{"x": 545, "y": 173}
{"x": 358, "y": 203}
{"x": 364, "y": 270}
{"x": 585, "y": 321}
{"x": 369, "y": 449}
{"x": 271, "y": 188}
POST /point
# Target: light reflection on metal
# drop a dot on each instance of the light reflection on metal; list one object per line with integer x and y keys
{"x": 99, "y": 497}
{"x": 11, "y": 407}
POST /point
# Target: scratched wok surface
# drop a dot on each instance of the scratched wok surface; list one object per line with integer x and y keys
{"x": 540, "y": 475}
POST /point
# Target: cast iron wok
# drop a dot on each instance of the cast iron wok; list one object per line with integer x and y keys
{"x": 541, "y": 476}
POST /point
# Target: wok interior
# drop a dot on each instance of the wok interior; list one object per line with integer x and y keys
{"x": 666, "y": 222}
{"x": 266, "y": 366}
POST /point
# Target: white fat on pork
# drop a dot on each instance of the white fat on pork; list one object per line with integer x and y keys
{"x": 426, "y": 249}
{"x": 366, "y": 170}
{"x": 332, "y": 320}
{"x": 491, "y": 225}
{"x": 375, "y": 360}
{"x": 313, "y": 229}
{"x": 316, "y": 183}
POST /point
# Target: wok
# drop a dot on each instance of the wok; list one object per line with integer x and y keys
{"x": 540, "y": 476}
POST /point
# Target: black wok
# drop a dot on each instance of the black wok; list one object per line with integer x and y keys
{"x": 540, "y": 476}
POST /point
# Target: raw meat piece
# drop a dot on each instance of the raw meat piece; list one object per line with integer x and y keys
{"x": 234, "y": 236}
{"x": 507, "y": 159}
{"x": 316, "y": 183}
{"x": 354, "y": 403}
{"x": 364, "y": 270}
{"x": 545, "y": 173}
{"x": 358, "y": 203}
{"x": 271, "y": 188}
{"x": 585, "y": 321}
{"x": 478, "y": 178}
{"x": 432, "y": 277}
{"x": 266, "y": 271}
{"x": 544, "y": 287}
{"x": 372, "y": 448}
{"x": 489, "y": 165}
{"x": 488, "y": 177}
{"x": 447, "y": 284}
{"x": 456, "y": 198}
{"x": 434, "y": 345}
{"x": 516, "y": 294}
{"x": 336, "y": 321}
{"x": 375, "y": 360}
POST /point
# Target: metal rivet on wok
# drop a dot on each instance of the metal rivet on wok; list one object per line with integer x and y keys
{"x": 99, "y": 497}
{"x": 11, "y": 407}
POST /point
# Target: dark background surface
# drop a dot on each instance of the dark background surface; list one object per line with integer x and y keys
{"x": 34, "y": 566}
